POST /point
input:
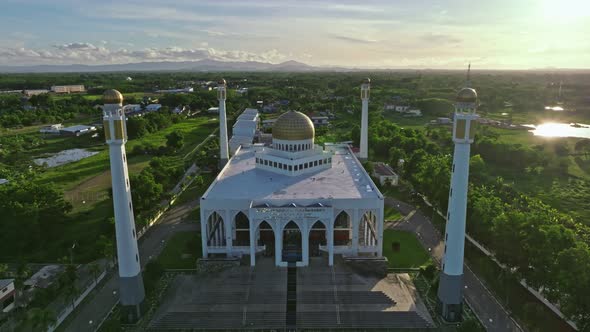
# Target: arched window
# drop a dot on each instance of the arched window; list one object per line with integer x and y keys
{"x": 342, "y": 230}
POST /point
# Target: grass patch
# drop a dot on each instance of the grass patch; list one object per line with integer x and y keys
{"x": 181, "y": 251}
{"x": 391, "y": 213}
{"x": 411, "y": 254}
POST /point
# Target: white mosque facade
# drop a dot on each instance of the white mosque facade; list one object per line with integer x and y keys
{"x": 292, "y": 200}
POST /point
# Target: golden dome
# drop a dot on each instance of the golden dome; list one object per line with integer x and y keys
{"x": 367, "y": 81}
{"x": 467, "y": 95}
{"x": 112, "y": 97}
{"x": 221, "y": 82}
{"x": 293, "y": 126}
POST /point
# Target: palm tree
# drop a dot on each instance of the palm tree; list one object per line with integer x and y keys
{"x": 40, "y": 319}
{"x": 94, "y": 269}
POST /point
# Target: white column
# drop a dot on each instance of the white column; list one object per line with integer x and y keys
{"x": 278, "y": 245}
{"x": 204, "y": 234}
{"x": 458, "y": 205}
{"x": 380, "y": 230}
{"x": 364, "y": 146}
{"x": 330, "y": 234}
{"x": 355, "y": 231}
{"x": 228, "y": 233}
{"x": 223, "y": 144}
{"x": 305, "y": 244}
{"x": 252, "y": 244}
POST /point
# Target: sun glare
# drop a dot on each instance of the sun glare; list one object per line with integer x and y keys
{"x": 566, "y": 9}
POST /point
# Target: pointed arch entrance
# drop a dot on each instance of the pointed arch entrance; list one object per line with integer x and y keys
{"x": 292, "y": 243}
{"x": 215, "y": 230}
{"x": 241, "y": 234}
{"x": 342, "y": 229}
{"x": 317, "y": 238}
{"x": 265, "y": 236}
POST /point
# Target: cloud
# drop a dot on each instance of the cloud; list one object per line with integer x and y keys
{"x": 87, "y": 53}
{"x": 354, "y": 39}
{"x": 440, "y": 38}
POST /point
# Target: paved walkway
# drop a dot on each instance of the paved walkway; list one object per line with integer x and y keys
{"x": 90, "y": 313}
{"x": 493, "y": 316}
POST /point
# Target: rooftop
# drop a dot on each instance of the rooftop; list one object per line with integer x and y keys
{"x": 383, "y": 169}
{"x": 240, "y": 179}
{"x": 5, "y": 282}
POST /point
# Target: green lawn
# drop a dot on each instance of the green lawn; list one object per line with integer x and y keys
{"x": 181, "y": 251}
{"x": 391, "y": 214}
{"x": 411, "y": 254}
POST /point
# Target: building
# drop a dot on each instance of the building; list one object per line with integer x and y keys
{"x": 244, "y": 130}
{"x": 4, "y": 181}
{"x": 43, "y": 278}
{"x": 153, "y": 107}
{"x": 320, "y": 120}
{"x": 268, "y": 123}
{"x": 51, "y": 129}
{"x": 7, "y": 294}
{"x": 413, "y": 113}
{"x": 35, "y": 92}
{"x": 185, "y": 90}
{"x": 242, "y": 91}
{"x": 292, "y": 200}
{"x": 385, "y": 174}
{"x": 67, "y": 88}
{"x": 132, "y": 108}
{"x": 213, "y": 110}
{"x": 77, "y": 130}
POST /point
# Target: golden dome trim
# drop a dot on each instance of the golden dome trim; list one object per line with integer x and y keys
{"x": 112, "y": 97}
{"x": 467, "y": 95}
{"x": 293, "y": 126}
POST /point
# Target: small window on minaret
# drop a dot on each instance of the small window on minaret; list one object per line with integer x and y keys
{"x": 453, "y": 168}
{"x": 130, "y": 208}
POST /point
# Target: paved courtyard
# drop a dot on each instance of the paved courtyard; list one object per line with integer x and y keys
{"x": 256, "y": 298}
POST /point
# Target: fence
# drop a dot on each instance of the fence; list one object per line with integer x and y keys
{"x": 68, "y": 309}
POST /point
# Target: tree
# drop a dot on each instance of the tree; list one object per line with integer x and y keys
{"x": 39, "y": 319}
{"x": 175, "y": 140}
{"x": 94, "y": 269}
{"x": 146, "y": 192}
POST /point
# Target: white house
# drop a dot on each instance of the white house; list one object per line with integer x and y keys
{"x": 213, "y": 110}
{"x": 51, "y": 129}
{"x": 385, "y": 174}
{"x": 320, "y": 120}
{"x": 153, "y": 107}
{"x": 7, "y": 294}
{"x": 67, "y": 88}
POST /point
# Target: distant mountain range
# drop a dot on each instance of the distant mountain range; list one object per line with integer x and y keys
{"x": 205, "y": 65}
{"x": 208, "y": 65}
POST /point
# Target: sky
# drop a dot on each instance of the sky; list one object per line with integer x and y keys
{"x": 498, "y": 34}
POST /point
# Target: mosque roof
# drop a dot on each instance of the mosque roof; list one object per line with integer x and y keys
{"x": 346, "y": 179}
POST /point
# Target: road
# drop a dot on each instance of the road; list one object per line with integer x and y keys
{"x": 88, "y": 315}
{"x": 493, "y": 316}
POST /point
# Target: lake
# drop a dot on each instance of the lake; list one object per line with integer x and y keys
{"x": 552, "y": 129}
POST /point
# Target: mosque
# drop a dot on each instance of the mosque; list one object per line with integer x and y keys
{"x": 292, "y": 199}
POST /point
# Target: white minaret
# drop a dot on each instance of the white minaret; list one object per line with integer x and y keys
{"x": 223, "y": 146}
{"x": 365, "y": 91}
{"x": 450, "y": 295}
{"x": 131, "y": 290}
